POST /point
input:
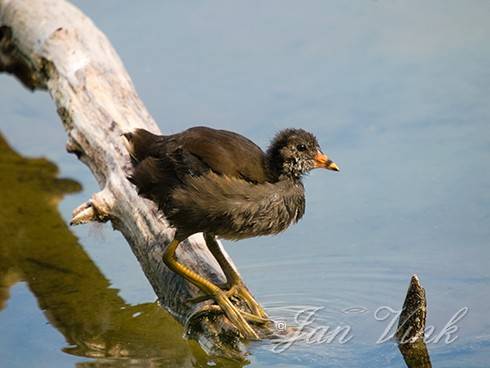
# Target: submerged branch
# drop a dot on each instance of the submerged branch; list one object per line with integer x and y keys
{"x": 411, "y": 327}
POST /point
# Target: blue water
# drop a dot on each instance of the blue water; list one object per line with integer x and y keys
{"x": 397, "y": 94}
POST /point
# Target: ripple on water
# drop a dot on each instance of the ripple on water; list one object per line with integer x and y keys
{"x": 337, "y": 284}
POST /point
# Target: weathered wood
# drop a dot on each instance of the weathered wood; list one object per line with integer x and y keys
{"x": 411, "y": 324}
{"x": 411, "y": 327}
{"x": 50, "y": 44}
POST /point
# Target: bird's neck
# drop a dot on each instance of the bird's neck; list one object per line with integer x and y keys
{"x": 278, "y": 170}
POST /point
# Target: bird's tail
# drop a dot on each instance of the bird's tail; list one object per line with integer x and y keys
{"x": 148, "y": 171}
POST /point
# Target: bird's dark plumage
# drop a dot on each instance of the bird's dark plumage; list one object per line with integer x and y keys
{"x": 222, "y": 184}
{"x": 219, "y": 182}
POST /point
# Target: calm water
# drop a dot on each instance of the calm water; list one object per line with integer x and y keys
{"x": 397, "y": 93}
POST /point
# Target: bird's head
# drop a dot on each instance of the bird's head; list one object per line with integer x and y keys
{"x": 294, "y": 152}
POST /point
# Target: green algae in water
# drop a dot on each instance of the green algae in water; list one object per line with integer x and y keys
{"x": 37, "y": 247}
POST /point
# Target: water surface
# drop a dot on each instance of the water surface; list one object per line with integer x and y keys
{"x": 396, "y": 92}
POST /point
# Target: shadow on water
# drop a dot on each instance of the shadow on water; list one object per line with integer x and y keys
{"x": 37, "y": 247}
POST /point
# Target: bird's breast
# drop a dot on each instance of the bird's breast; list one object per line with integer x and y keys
{"x": 233, "y": 208}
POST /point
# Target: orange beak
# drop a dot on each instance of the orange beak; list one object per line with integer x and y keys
{"x": 322, "y": 160}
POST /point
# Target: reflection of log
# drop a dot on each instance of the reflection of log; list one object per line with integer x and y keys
{"x": 411, "y": 327}
{"x": 37, "y": 246}
{"x": 415, "y": 354}
{"x": 50, "y": 44}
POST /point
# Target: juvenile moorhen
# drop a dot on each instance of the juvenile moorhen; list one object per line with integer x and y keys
{"x": 223, "y": 185}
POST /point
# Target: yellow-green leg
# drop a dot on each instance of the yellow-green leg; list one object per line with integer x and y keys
{"x": 231, "y": 311}
{"x": 234, "y": 282}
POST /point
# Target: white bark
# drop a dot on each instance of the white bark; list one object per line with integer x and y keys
{"x": 50, "y": 44}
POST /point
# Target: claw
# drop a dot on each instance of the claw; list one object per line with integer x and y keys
{"x": 251, "y": 317}
{"x": 240, "y": 291}
{"x": 235, "y": 316}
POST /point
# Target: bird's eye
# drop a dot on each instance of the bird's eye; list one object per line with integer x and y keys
{"x": 301, "y": 147}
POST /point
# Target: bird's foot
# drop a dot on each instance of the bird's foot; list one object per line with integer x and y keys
{"x": 236, "y": 316}
{"x": 239, "y": 291}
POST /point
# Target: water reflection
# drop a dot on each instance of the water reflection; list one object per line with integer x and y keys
{"x": 37, "y": 247}
{"x": 416, "y": 355}
{"x": 76, "y": 298}
{"x": 397, "y": 90}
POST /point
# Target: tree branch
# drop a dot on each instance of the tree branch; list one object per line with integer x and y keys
{"x": 50, "y": 44}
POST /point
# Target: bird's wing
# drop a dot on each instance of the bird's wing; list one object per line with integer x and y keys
{"x": 221, "y": 151}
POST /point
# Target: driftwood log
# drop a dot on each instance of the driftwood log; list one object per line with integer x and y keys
{"x": 51, "y": 45}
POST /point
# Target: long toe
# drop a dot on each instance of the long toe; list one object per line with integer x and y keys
{"x": 235, "y": 316}
{"x": 240, "y": 291}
